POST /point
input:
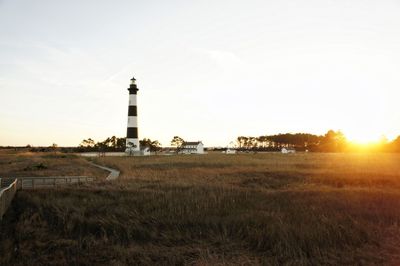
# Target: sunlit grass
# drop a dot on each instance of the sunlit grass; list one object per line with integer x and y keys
{"x": 249, "y": 209}
{"x": 28, "y": 164}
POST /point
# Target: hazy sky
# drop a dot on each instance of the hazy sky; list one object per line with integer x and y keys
{"x": 206, "y": 70}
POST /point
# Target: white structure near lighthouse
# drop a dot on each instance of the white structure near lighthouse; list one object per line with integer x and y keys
{"x": 132, "y": 138}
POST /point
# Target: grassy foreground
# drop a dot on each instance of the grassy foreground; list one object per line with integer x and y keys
{"x": 215, "y": 209}
{"x": 29, "y": 164}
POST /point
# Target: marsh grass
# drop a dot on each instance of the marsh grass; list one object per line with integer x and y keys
{"x": 264, "y": 209}
{"x": 28, "y": 164}
{"x": 268, "y": 170}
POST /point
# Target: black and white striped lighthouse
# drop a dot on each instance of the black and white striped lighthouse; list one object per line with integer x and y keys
{"x": 132, "y": 140}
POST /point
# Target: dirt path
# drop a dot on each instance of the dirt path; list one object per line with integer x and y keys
{"x": 114, "y": 174}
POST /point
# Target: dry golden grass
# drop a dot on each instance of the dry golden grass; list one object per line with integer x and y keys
{"x": 248, "y": 209}
{"x": 28, "y": 164}
{"x": 268, "y": 170}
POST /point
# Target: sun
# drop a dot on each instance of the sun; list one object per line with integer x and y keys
{"x": 364, "y": 136}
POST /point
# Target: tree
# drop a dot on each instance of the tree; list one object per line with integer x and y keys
{"x": 253, "y": 143}
{"x": 154, "y": 146}
{"x": 242, "y": 141}
{"x": 113, "y": 142}
{"x": 107, "y": 142}
{"x": 131, "y": 146}
{"x": 178, "y": 142}
{"x": 87, "y": 144}
{"x": 54, "y": 147}
{"x": 394, "y": 146}
{"x": 101, "y": 146}
{"x": 121, "y": 144}
{"x": 262, "y": 141}
{"x": 333, "y": 142}
{"x": 298, "y": 140}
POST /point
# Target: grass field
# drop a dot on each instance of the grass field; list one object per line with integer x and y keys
{"x": 215, "y": 209}
{"x": 28, "y": 164}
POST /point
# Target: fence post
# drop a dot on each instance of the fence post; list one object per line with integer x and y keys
{"x": 6, "y": 197}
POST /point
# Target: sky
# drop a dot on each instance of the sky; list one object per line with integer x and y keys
{"x": 206, "y": 70}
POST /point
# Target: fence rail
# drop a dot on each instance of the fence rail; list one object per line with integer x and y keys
{"x": 6, "y": 196}
{"x": 47, "y": 182}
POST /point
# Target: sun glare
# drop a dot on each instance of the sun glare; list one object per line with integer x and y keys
{"x": 364, "y": 137}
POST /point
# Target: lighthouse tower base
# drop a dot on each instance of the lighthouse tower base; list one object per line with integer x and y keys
{"x": 129, "y": 152}
{"x": 132, "y": 147}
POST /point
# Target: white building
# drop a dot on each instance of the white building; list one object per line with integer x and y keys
{"x": 288, "y": 150}
{"x": 192, "y": 147}
{"x": 145, "y": 151}
{"x": 229, "y": 151}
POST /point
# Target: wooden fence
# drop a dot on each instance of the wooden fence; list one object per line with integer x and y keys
{"x": 54, "y": 181}
{"x": 6, "y": 196}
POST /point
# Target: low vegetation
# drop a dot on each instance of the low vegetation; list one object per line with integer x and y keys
{"x": 215, "y": 209}
{"x": 33, "y": 164}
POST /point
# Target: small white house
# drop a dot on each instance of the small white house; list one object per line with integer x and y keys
{"x": 229, "y": 151}
{"x": 288, "y": 150}
{"x": 145, "y": 151}
{"x": 193, "y": 147}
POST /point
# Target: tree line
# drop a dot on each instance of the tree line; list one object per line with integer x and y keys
{"x": 394, "y": 146}
{"x": 332, "y": 141}
{"x": 115, "y": 144}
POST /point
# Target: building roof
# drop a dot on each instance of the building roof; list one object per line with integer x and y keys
{"x": 191, "y": 143}
{"x": 133, "y": 78}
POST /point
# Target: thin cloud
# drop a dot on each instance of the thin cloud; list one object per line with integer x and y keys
{"x": 225, "y": 60}
{"x": 120, "y": 72}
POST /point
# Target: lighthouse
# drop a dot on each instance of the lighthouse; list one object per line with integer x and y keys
{"x": 132, "y": 139}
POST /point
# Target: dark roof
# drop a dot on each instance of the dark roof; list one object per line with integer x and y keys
{"x": 192, "y": 143}
{"x": 133, "y": 78}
